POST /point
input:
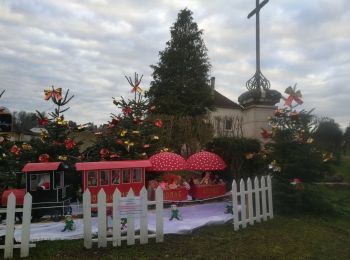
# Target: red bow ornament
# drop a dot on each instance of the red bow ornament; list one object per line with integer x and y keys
{"x": 158, "y": 123}
{"x": 104, "y": 153}
{"x": 53, "y": 93}
{"x": 293, "y": 95}
{"x": 265, "y": 134}
{"x": 127, "y": 111}
{"x": 43, "y": 121}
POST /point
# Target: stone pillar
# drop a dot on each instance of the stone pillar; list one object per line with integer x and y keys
{"x": 258, "y": 106}
{"x": 255, "y": 117}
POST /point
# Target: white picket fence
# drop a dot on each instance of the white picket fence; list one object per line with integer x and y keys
{"x": 10, "y": 226}
{"x": 130, "y": 207}
{"x": 256, "y": 202}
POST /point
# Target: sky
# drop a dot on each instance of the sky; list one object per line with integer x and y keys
{"x": 88, "y": 46}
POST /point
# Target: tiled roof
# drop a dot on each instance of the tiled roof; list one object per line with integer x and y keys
{"x": 222, "y": 101}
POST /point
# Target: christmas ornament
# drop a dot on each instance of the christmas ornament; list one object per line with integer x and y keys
{"x": 15, "y": 150}
{"x": 62, "y": 158}
{"x": 60, "y": 121}
{"x": 69, "y": 143}
{"x": 43, "y": 121}
{"x": 158, "y": 123}
{"x": 104, "y": 153}
{"x": 265, "y": 134}
{"x": 127, "y": 111}
{"x": 274, "y": 166}
{"x": 26, "y": 147}
{"x": 123, "y": 132}
{"x": 44, "y": 157}
{"x": 53, "y": 93}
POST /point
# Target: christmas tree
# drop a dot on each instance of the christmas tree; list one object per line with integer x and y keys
{"x": 295, "y": 160}
{"x": 133, "y": 133}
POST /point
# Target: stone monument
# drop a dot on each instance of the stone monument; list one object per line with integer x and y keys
{"x": 259, "y": 101}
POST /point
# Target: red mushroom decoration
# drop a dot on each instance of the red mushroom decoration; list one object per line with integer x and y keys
{"x": 205, "y": 161}
{"x": 167, "y": 161}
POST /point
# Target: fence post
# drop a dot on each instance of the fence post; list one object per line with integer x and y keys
{"x": 26, "y": 220}
{"x": 102, "y": 218}
{"x": 257, "y": 199}
{"x": 250, "y": 202}
{"x": 235, "y": 206}
{"x": 10, "y": 225}
{"x": 269, "y": 187}
{"x": 116, "y": 218}
{"x": 242, "y": 192}
{"x": 263, "y": 197}
{"x": 159, "y": 215}
{"x": 87, "y": 219}
{"x": 130, "y": 233}
{"x": 144, "y": 217}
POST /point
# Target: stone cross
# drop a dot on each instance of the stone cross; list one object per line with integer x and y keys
{"x": 256, "y": 12}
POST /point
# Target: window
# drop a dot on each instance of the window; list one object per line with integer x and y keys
{"x": 126, "y": 175}
{"x": 115, "y": 176}
{"x": 58, "y": 180}
{"x": 228, "y": 124}
{"x": 40, "y": 181}
{"x": 137, "y": 175}
{"x": 104, "y": 177}
{"x": 92, "y": 179}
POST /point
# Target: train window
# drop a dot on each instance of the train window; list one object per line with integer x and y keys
{"x": 92, "y": 179}
{"x": 104, "y": 178}
{"x": 137, "y": 175}
{"x": 115, "y": 176}
{"x": 126, "y": 175}
{"x": 40, "y": 182}
{"x": 59, "y": 180}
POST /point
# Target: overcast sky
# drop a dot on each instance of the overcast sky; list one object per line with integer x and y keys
{"x": 88, "y": 47}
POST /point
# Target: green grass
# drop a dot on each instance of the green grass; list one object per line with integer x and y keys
{"x": 284, "y": 237}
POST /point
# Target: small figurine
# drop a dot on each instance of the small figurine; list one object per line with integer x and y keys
{"x": 174, "y": 212}
{"x": 206, "y": 179}
{"x": 69, "y": 224}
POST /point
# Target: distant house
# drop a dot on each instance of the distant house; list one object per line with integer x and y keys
{"x": 227, "y": 118}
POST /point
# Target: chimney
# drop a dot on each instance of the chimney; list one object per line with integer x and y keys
{"x": 212, "y": 83}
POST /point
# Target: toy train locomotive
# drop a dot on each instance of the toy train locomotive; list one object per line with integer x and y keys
{"x": 45, "y": 182}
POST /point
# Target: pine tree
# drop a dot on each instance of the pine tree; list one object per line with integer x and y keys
{"x": 180, "y": 83}
{"x": 133, "y": 133}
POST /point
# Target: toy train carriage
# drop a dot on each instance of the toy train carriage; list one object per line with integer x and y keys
{"x": 45, "y": 182}
{"x": 109, "y": 175}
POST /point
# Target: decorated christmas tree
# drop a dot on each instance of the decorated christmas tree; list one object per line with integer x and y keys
{"x": 295, "y": 160}
{"x": 55, "y": 144}
{"x": 131, "y": 134}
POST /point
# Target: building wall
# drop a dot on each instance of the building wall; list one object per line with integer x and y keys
{"x": 223, "y": 118}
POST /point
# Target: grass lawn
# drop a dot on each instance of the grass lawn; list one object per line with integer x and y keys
{"x": 284, "y": 237}
{"x": 343, "y": 168}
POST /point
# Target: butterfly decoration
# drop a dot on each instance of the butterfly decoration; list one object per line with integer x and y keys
{"x": 56, "y": 93}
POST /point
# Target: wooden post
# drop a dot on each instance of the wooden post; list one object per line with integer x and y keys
{"x": 116, "y": 218}
{"x": 10, "y": 225}
{"x": 159, "y": 215}
{"x": 131, "y": 226}
{"x": 144, "y": 217}
{"x": 102, "y": 218}
{"x": 26, "y": 220}
{"x": 243, "y": 206}
{"x": 250, "y": 202}
{"x": 269, "y": 190}
{"x": 257, "y": 199}
{"x": 263, "y": 198}
{"x": 87, "y": 219}
{"x": 235, "y": 206}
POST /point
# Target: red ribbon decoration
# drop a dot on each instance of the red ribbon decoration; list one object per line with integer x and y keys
{"x": 44, "y": 157}
{"x": 127, "y": 111}
{"x": 53, "y": 93}
{"x": 293, "y": 95}
{"x": 69, "y": 143}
